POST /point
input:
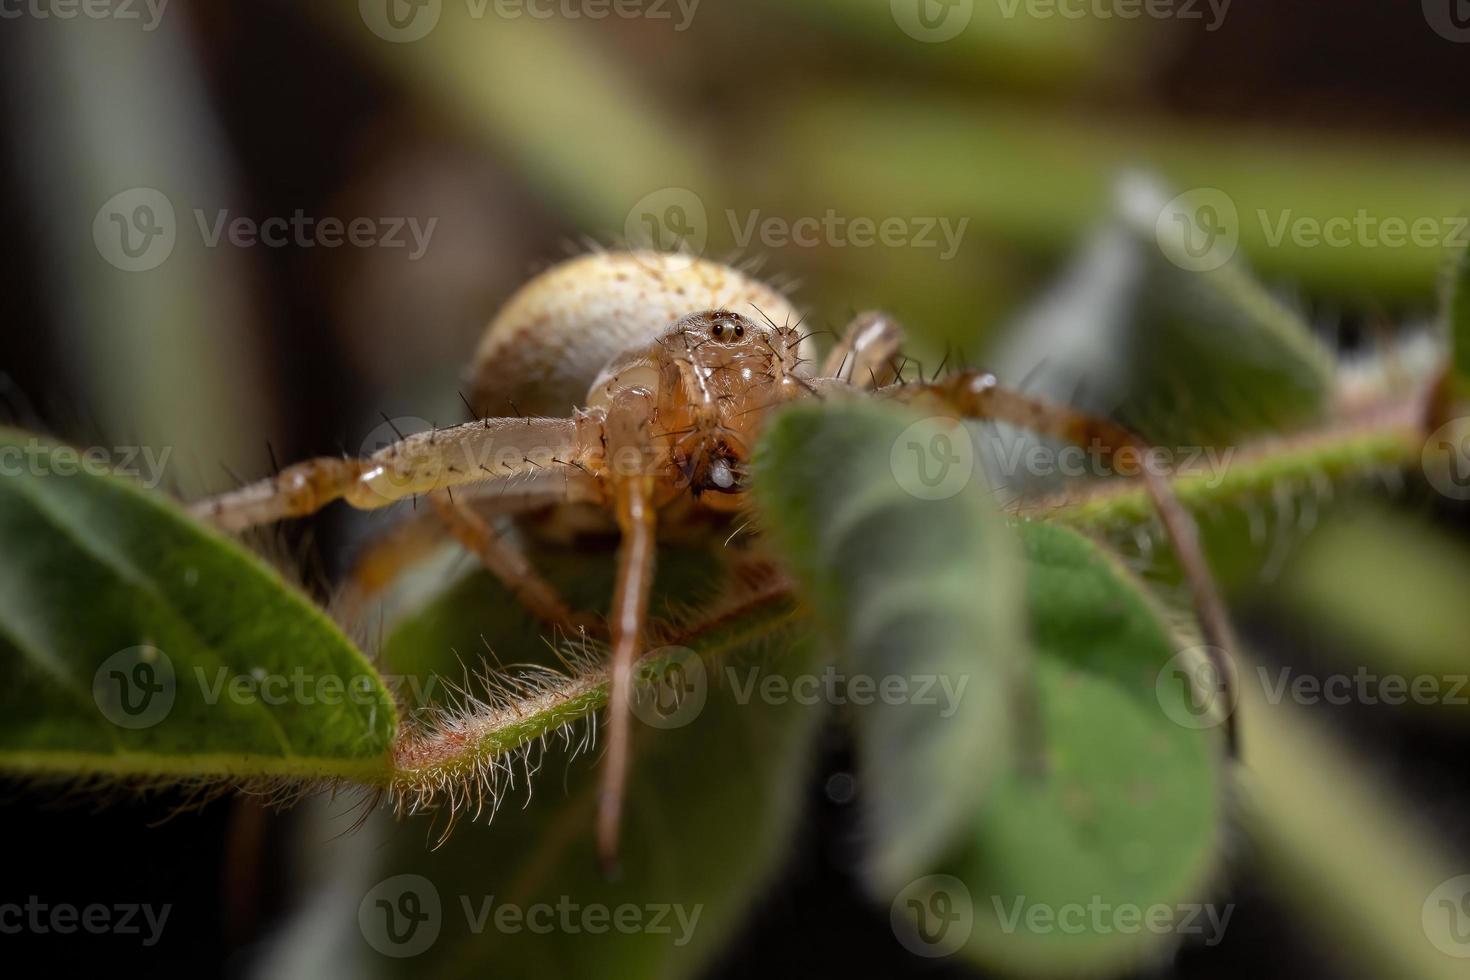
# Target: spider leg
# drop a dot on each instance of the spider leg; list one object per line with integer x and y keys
{"x": 633, "y": 502}
{"x": 507, "y": 563}
{"x": 863, "y": 356}
{"x": 490, "y": 450}
{"x": 975, "y": 394}
{"x": 379, "y": 562}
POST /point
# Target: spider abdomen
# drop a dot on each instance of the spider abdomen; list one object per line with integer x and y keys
{"x": 553, "y": 337}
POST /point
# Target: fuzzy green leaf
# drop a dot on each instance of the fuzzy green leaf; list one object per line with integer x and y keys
{"x": 1175, "y": 339}
{"x": 710, "y": 811}
{"x": 1105, "y": 799}
{"x": 1127, "y": 813}
{"x": 916, "y": 595}
{"x": 135, "y": 644}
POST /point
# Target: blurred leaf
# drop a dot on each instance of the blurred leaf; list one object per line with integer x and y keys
{"x": 1128, "y": 810}
{"x": 1356, "y": 869}
{"x": 1006, "y": 42}
{"x": 1185, "y": 354}
{"x": 1116, "y": 803}
{"x": 563, "y": 107}
{"x": 711, "y": 806}
{"x": 134, "y": 643}
{"x": 1040, "y": 180}
{"x": 129, "y": 305}
{"x": 1404, "y": 611}
{"x": 906, "y": 588}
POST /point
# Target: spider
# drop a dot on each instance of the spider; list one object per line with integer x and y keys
{"x": 676, "y": 362}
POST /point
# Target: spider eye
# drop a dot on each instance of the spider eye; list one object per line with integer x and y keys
{"x": 718, "y": 329}
{"x": 739, "y": 331}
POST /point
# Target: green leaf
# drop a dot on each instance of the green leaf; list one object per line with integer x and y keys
{"x": 133, "y": 643}
{"x": 710, "y": 812}
{"x": 1403, "y": 621}
{"x": 1107, "y": 800}
{"x": 1178, "y": 342}
{"x": 918, "y": 593}
{"x": 1127, "y": 814}
{"x": 1364, "y": 871}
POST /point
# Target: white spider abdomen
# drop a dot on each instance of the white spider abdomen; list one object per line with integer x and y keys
{"x": 551, "y": 340}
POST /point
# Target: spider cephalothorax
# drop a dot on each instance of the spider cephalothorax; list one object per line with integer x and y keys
{"x": 682, "y": 361}
{"x": 714, "y": 375}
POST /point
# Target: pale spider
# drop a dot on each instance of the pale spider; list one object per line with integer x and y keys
{"x": 677, "y": 363}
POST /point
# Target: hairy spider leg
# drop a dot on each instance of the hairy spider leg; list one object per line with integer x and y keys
{"x": 388, "y": 554}
{"x": 631, "y": 471}
{"x": 864, "y": 355}
{"x": 508, "y": 563}
{"x": 490, "y": 450}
